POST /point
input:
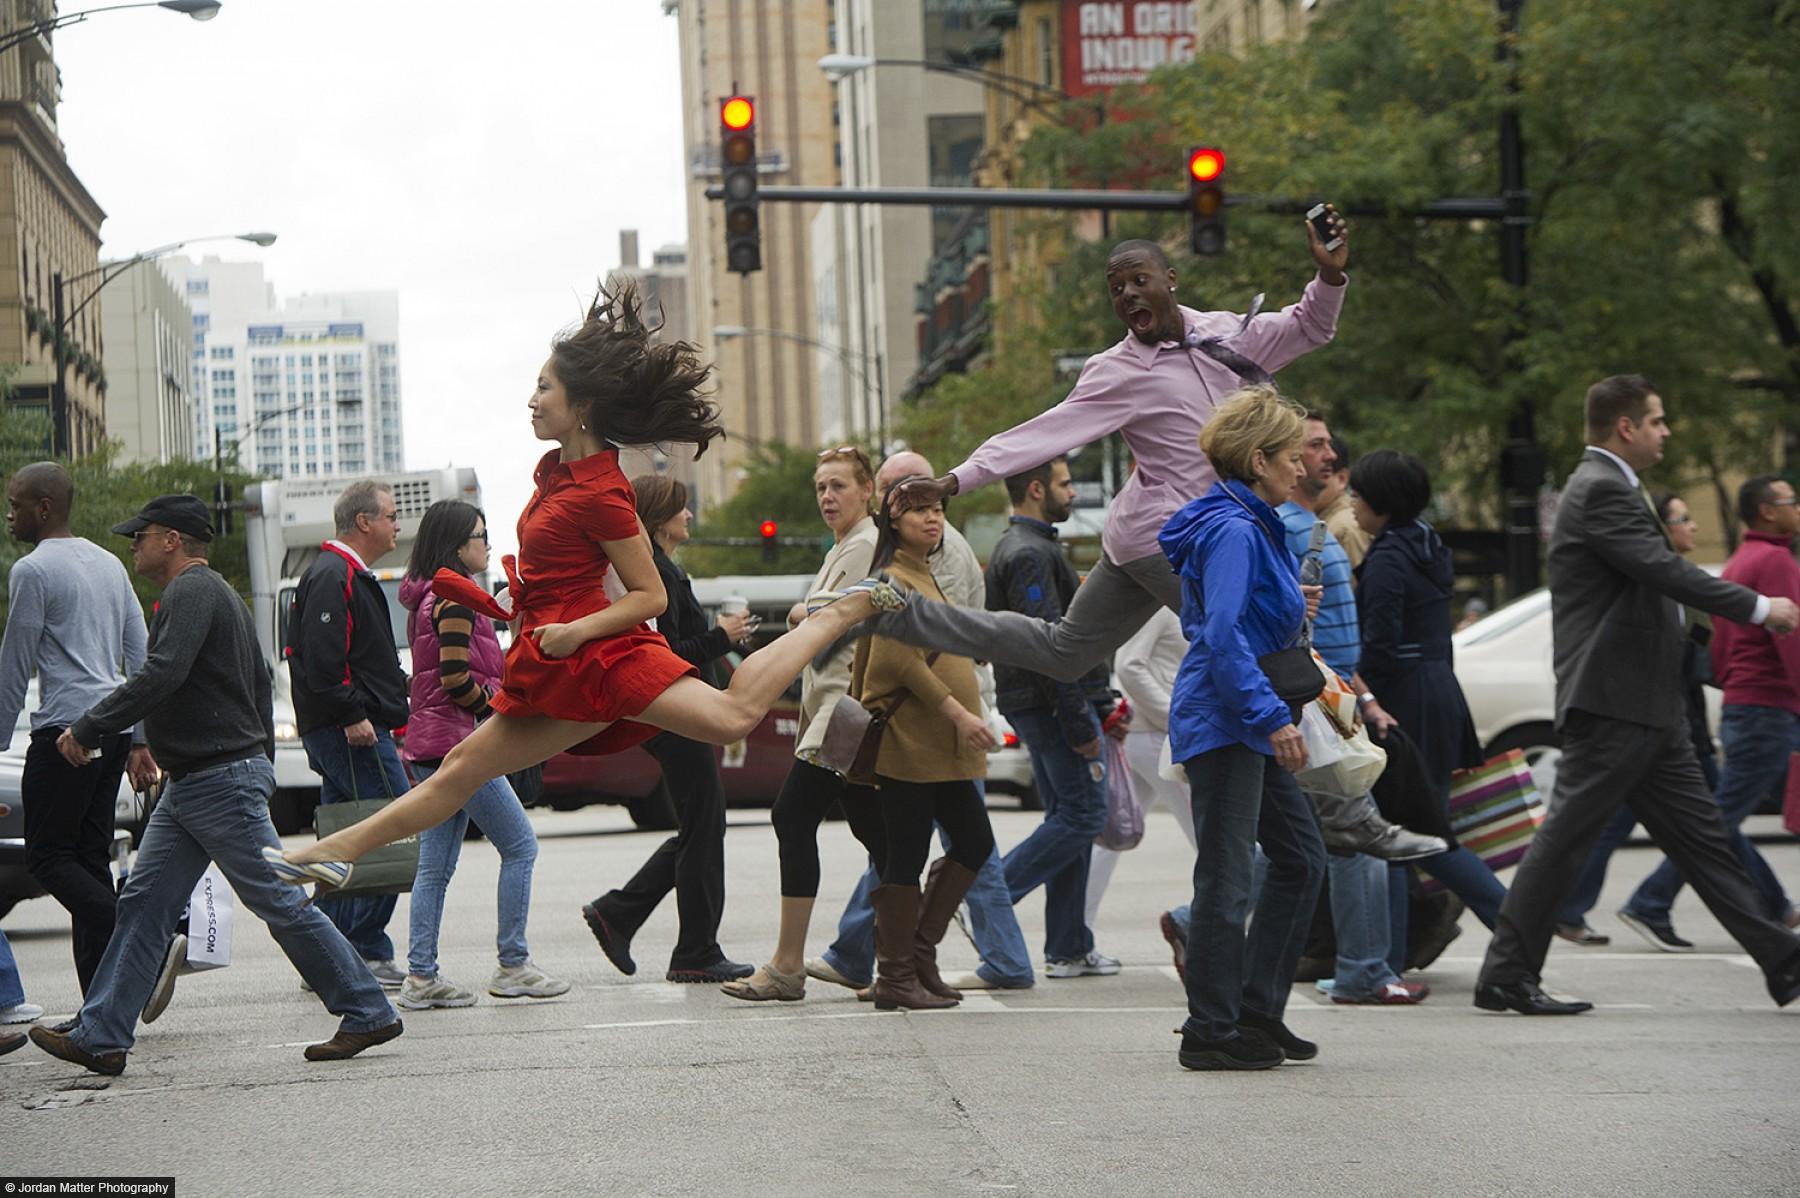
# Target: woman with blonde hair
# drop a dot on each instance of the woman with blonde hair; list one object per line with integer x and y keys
{"x": 1238, "y": 740}
{"x": 843, "y": 485}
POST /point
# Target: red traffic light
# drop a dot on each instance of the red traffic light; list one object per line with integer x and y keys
{"x": 768, "y": 530}
{"x": 737, "y": 113}
{"x": 1206, "y": 164}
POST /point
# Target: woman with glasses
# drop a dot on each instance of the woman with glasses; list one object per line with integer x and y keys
{"x": 843, "y": 486}
{"x": 692, "y": 862}
{"x": 456, "y": 666}
{"x": 586, "y": 673}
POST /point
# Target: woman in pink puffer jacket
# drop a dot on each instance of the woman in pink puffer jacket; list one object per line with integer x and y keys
{"x": 457, "y": 663}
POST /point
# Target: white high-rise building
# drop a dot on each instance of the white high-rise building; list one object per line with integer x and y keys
{"x": 307, "y": 386}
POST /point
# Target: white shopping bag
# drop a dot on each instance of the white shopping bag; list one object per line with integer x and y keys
{"x": 1339, "y": 764}
{"x": 209, "y": 921}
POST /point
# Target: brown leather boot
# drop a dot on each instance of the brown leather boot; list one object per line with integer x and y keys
{"x": 945, "y": 884}
{"x": 897, "y": 978}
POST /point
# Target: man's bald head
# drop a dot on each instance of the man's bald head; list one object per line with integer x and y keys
{"x": 46, "y": 480}
{"x": 905, "y": 464}
{"x": 38, "y": 499}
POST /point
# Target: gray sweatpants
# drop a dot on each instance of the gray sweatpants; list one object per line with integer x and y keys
{"x": 1109, "y": 606}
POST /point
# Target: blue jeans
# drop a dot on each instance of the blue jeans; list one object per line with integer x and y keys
{"x": 1593, "y": 875}
{"x": 1005, "y": 961}
{"x": 1056, "y": 854}
{"x": 219, "y": 815}
{"x": 363, "y": 921}
{"x": 1359, "y": 913}
{"x": 12, "y": 990}
{"x": 1757, "y": 742}
{"x": 1241, "y": 799}
{"x": 496, "y": 811}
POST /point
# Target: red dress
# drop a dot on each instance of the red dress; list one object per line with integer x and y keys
{"x": 575, "y": 508}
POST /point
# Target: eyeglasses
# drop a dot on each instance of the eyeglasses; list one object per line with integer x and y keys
{"x": 479, "y": 536}
{"x": 1675, "y": 521}
{"x": 851, "y": 450}
{"x": 138, "y": 537}
{"x": 1782, "y": 502}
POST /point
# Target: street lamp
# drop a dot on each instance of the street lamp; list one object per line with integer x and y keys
{"x": 59, "y": 394}
{"x": 848, "y": 357}
{"x": 199, "y": 10}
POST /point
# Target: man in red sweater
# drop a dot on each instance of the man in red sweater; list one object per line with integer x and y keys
{"x": 1760, "y": 726}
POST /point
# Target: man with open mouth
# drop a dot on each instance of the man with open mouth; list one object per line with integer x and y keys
{"x": 1157, "y": 387}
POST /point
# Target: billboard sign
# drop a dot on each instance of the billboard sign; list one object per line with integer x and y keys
{"x": 1114, "y": 42}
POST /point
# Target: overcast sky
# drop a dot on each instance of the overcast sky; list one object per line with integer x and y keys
{"x": 479, "y": 158}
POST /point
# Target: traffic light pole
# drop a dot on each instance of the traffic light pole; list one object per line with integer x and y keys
{"x": 1079, "y": 199}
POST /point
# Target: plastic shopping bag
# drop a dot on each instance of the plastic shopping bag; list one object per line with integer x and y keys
{"x": 1124, "y": 812}
{"x": 209, "y": 921}
{"x": 1341, "y": 764}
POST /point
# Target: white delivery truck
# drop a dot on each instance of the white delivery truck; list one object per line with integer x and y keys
{"x": 286, "y": 521}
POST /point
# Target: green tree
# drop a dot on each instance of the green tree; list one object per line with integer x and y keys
{"x": 1661, "y": 152}
{"x": 777, "y": 485}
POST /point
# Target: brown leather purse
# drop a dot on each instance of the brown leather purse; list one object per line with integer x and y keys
{"x": 853, "y": 735}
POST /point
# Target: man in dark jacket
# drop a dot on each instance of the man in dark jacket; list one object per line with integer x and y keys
{"x": 1616, "y": 591}
{"x": 203, "y": 696}
{"x": 349, "y": 690}
{"x": 1059, "y": 723}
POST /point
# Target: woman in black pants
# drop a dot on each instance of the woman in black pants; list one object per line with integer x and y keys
{"x": 692, "y": 862}
{"x": 934, "y": 749}
{"x": 843, "y": 483}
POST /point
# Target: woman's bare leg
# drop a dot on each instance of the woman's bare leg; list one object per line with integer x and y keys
{"x": 695, "y": 710}
{"x": 500, "y": 746}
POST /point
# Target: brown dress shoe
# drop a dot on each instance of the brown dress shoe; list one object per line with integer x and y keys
{"x": 345, "y": 1045}
{"x": 58, "y": 1044}
{"x": 11, "y": 1042}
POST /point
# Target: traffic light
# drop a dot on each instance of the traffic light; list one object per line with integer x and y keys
{"x": 1206, "y": 200}
{"x": 768, "y": 531}
{"x": 737, "y": 159}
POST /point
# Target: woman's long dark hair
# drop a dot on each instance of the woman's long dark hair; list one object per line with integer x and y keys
{"x": 444, "y": 529}
{"x": 628, "y": 388}
{"x": 887, "y": 534}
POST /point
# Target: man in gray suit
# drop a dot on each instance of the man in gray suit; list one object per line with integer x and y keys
{"x": 1616, "y": 593}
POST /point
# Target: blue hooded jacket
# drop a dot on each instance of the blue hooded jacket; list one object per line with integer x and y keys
{"x": 1240, "y": 599}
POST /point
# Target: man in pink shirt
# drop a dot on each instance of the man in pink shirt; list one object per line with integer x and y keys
{"x": 1156, "y": 388}
{"x": 1760, "y": 724}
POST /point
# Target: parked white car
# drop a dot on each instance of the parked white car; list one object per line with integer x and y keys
{"x": 1504, "y": 664}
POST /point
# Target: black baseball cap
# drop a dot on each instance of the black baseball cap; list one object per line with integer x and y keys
{"x": 183, "y": 513}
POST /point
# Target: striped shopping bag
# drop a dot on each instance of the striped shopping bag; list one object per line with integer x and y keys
{"x": 1495, "y": 810}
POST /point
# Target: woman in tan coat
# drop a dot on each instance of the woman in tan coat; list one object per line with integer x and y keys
{"x": 934, "y": 749}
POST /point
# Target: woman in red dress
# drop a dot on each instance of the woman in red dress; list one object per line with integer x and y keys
{"x": 586, "y": 675}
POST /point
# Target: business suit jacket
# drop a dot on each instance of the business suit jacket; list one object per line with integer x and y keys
{"x": 1614, "y": 585}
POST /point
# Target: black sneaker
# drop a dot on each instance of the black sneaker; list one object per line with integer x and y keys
{"x": 1239, "y": 1052}
{"x": 1660, "y": 933}
{"x": 722, "y": 970}
{"x": 616, "y": 947}
{"x": 1292, "y": 1046}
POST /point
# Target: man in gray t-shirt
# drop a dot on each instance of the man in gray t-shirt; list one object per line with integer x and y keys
{"x": 74, "y": 620}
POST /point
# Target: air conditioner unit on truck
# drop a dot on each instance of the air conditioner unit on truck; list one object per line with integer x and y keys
{"x": 286, "y": 521}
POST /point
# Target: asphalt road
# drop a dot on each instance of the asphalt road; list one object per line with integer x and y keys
{"x": 1682, "y": 1083}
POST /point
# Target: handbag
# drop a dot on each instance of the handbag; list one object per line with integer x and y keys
{"x": 1341, "y": 760}
{"x": 1495, "y": 810}
{"x": 853, "y": 732}
{"x": 386, "y": 869}
{"x": 1790, "y": 800}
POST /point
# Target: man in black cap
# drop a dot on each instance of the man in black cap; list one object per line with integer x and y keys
{"x": 204, "y": 697}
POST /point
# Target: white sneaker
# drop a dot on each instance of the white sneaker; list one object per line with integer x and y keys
{"x": 422, "y": 994}
{"x": 525, "y": 980}
{"x": 24, "y": 1012}
{"x": 1094, "y": 965}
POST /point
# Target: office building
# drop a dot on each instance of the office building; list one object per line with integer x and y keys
{"x": 147, "y": 328}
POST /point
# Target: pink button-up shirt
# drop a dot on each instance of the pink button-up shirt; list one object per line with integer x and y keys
{"x": 1157, "y": 397}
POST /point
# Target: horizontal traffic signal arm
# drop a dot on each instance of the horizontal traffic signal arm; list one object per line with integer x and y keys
{"x": 1454, "y": 208}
